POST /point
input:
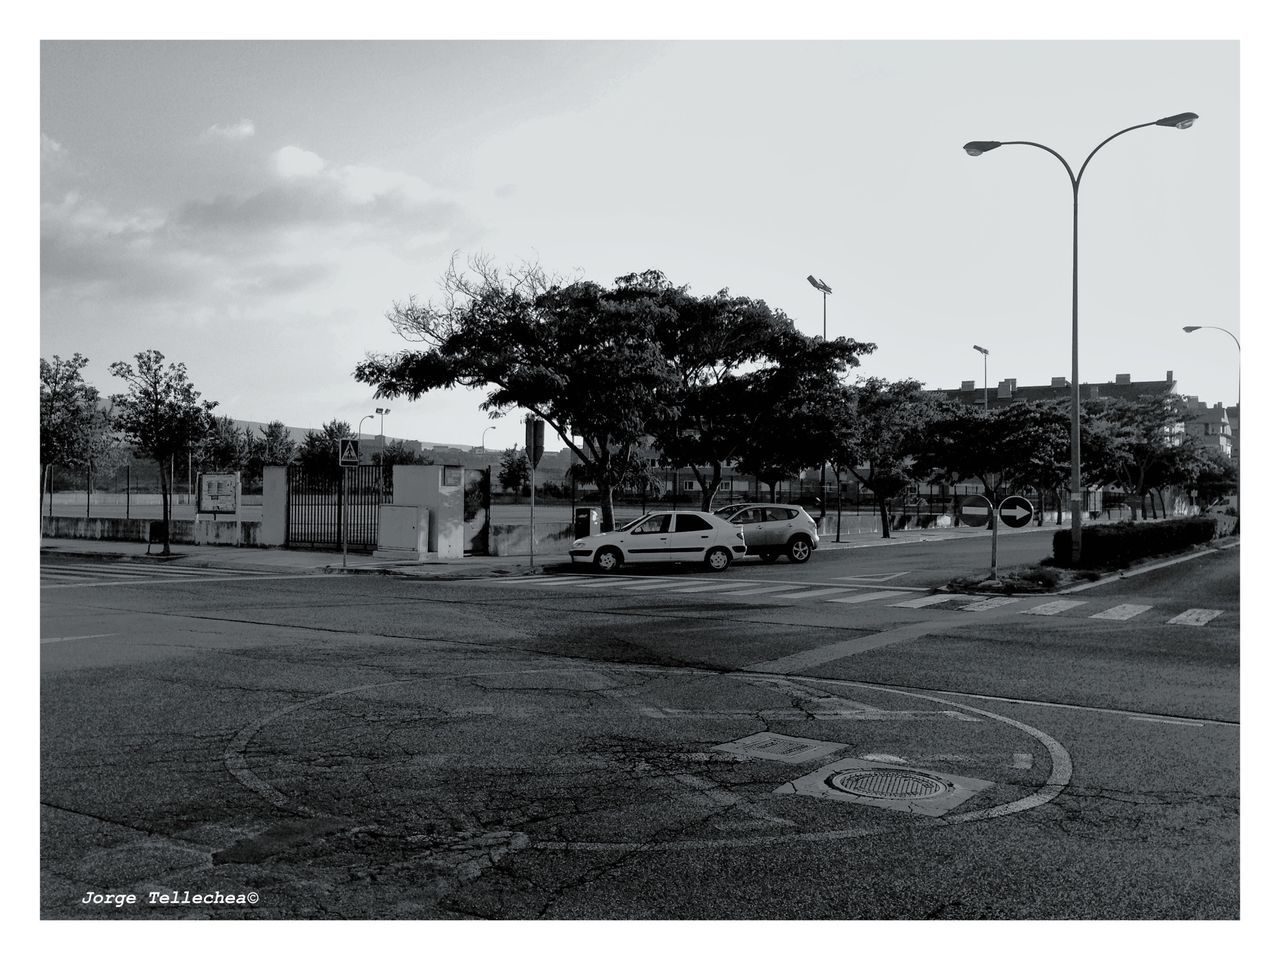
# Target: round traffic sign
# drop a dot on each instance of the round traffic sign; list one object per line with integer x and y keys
{"x": 975, "y": 511}
{"x": 1016, "y": 511}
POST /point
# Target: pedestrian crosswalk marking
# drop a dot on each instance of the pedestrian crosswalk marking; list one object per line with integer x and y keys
{"x": 1125, "y": 611}
{"x": 649, "y": 585}
{"x": 1195, "y": 617}
{"x": 925, "y": 601}
{"x": 990, "y": 603}
{"x": 864, "y": 597}
{"x": 805, "y": 594}
{"x": 1055, "y": 607}
{"x": 762, "y": 590}
{"x": 724, "y": 587}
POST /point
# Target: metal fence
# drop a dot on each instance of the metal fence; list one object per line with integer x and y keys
{"x": 321, "y": 509}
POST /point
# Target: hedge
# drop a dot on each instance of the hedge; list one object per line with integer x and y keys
{"x": 1113, "y": 544}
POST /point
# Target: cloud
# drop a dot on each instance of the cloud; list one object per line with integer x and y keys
{"x": 229, "y": 131}
{"x": 296, "y": 162}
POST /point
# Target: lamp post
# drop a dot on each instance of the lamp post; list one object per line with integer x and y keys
{"x": 382, "y": 432}
{"x": 986, "y": 404}
{"x": 976, "y": 148}
{"x": 482, "y": 433}
{"x": 821, "y": 285}
{"x": 1233, "y": 337}
{"x": 822, "y": 481}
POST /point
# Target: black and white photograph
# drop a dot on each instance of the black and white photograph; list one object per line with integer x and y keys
{"x": 748, "y": 470}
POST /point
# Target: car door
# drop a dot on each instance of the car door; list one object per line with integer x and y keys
{"x": 752, "y": 528}
{"x": 648, "y": 541}
{"x": 778, "y": 526}
{"x": 691, "y": 537}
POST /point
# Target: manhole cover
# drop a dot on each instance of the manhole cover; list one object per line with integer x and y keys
{"x": 886, "y": 784}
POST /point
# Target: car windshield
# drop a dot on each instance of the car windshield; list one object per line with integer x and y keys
{"x": 727, "y": 511}
{"x": 630, "y": 523}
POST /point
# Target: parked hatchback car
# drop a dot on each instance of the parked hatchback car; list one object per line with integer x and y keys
{"x": 670, "y": 536}
{"x": 774, "y": 529}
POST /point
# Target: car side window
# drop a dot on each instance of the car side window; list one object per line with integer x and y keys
{"x": 780, "y": 513}
{"x": 747, "y": 516}
{"x": 687, "y": 522}
{"x": 658, "y": 524}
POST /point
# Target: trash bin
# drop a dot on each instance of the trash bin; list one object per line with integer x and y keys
{"x": 586, "y": 522}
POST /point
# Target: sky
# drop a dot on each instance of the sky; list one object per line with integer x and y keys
{"x": 253, "y": 209}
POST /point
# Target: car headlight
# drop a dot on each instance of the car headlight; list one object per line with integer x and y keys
{"x": 578, "y": 543}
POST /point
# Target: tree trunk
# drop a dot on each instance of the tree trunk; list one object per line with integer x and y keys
{"x": 1058, "y": 494}
{"x": 884, "y": 517}
{"x": 709, "y": 488}
{"x": 164, "y": 506}
{"x": 606, "y": 506}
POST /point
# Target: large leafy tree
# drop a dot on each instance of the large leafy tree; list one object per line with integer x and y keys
{"x": 161, "y": 414}
{"x": 582, "y": 357}
{"x": 736, "y": 364}
{"x": 884, "y": 424}
{"x": 69, "y": 414}
{"x": 222, "y": 447}
{"x": 1144, "y": 442}
{"x": 513, "y": 472}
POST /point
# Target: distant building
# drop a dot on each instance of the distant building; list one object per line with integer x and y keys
{"x": 1007, "y": 392}
{"x": 1210, "y": 428}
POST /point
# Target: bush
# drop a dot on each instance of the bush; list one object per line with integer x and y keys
{"x": 1116, "y": 544}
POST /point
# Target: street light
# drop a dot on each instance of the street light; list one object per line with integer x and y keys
{"x": 1233, "y": 337}
{"x": 482, "y": 433}
{"x": 821, "y": 285}
{"x": 382, "y": 433}
{"x": 986, "y": 404}
{"x": 976, "y": 148}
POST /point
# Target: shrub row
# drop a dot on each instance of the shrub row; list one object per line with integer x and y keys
{"x": 1112, "y": 544}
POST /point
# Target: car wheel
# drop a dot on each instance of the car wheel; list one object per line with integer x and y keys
{"x": 607, "y": 560}
{"x": 718, "y": 558}
{"x": 798, "y": 549}
{"x": 768, "y": 556}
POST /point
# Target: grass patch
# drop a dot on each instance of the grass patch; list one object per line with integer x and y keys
{"x": 1040, "y": 578}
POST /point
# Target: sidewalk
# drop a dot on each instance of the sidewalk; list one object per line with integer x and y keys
{"x": 281, "y": 560}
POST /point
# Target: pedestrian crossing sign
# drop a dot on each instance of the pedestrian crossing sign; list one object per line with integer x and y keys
{"x": 348, "y": 452}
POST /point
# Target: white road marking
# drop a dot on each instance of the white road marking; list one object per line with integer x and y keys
{"x": 1181, "y": 723}
{"x": 165, "y": 581}
{"x": 1125, "y": 611}
{"x": 990, "y": 603}
{"x": 863, "y": 597}
{"x": 87, "y": 636}
{"x": 925, "y": 601}
{"x": 1195, "y": 617}
{"x": 805, "y": 594}
{"x": 876, "y": 577}
{"x": 762, "y": 590}
{"x": 725, "y": 587}
{"x": 1054, "y": 607}
{"x": 648, "y": 585}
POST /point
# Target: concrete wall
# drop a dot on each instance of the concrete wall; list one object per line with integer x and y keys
{"x": 512, "y": 539}
{"x": 240, "y": 533}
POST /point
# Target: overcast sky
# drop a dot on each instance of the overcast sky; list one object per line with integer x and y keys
{"x": 253, "y": 209}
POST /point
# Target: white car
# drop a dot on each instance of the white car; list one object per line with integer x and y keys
{"x": 671, "y": 536}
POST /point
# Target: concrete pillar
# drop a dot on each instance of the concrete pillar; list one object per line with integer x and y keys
{"x": 275, "y": 506}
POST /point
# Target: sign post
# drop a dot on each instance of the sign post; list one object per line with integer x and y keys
{"x": 533, "y": 440}
{"x": 348, "y": 456}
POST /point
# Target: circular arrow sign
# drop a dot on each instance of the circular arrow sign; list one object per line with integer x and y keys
{"x": 1016, "y": 511}
{"x": 975, "y": 511}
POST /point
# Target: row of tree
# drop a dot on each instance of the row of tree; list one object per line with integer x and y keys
{"x": 713, "y": 380}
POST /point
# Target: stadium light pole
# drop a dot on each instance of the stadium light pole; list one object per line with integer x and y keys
{"x": 976, "y": 148}
{"x": 986, "y": 404}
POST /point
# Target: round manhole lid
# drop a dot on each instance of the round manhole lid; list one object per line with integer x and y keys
{"x": 887, "y": 784}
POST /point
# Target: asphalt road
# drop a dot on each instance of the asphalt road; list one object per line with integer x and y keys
{"x": 779, "y": 741}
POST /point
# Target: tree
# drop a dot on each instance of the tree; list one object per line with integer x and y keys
{"x": 161, "y": 415}
{"x": 886, "y": 421}
{"x": 69, "y": 415}
{"x": 737, "y": 365}
{"x": 318, "y": 452}
{"x": 581, "y": 357}
{"x": 1144, "y": 435}
{"x": 513, "y": 472}
{"x": 222, "y": 447}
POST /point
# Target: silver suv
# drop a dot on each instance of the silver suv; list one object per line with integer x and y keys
{"x": 772, "y": 529}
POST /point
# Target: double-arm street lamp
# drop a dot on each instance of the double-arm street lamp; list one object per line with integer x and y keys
{"x": 986, "y": 404}
{"x": 976, "y": 148}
